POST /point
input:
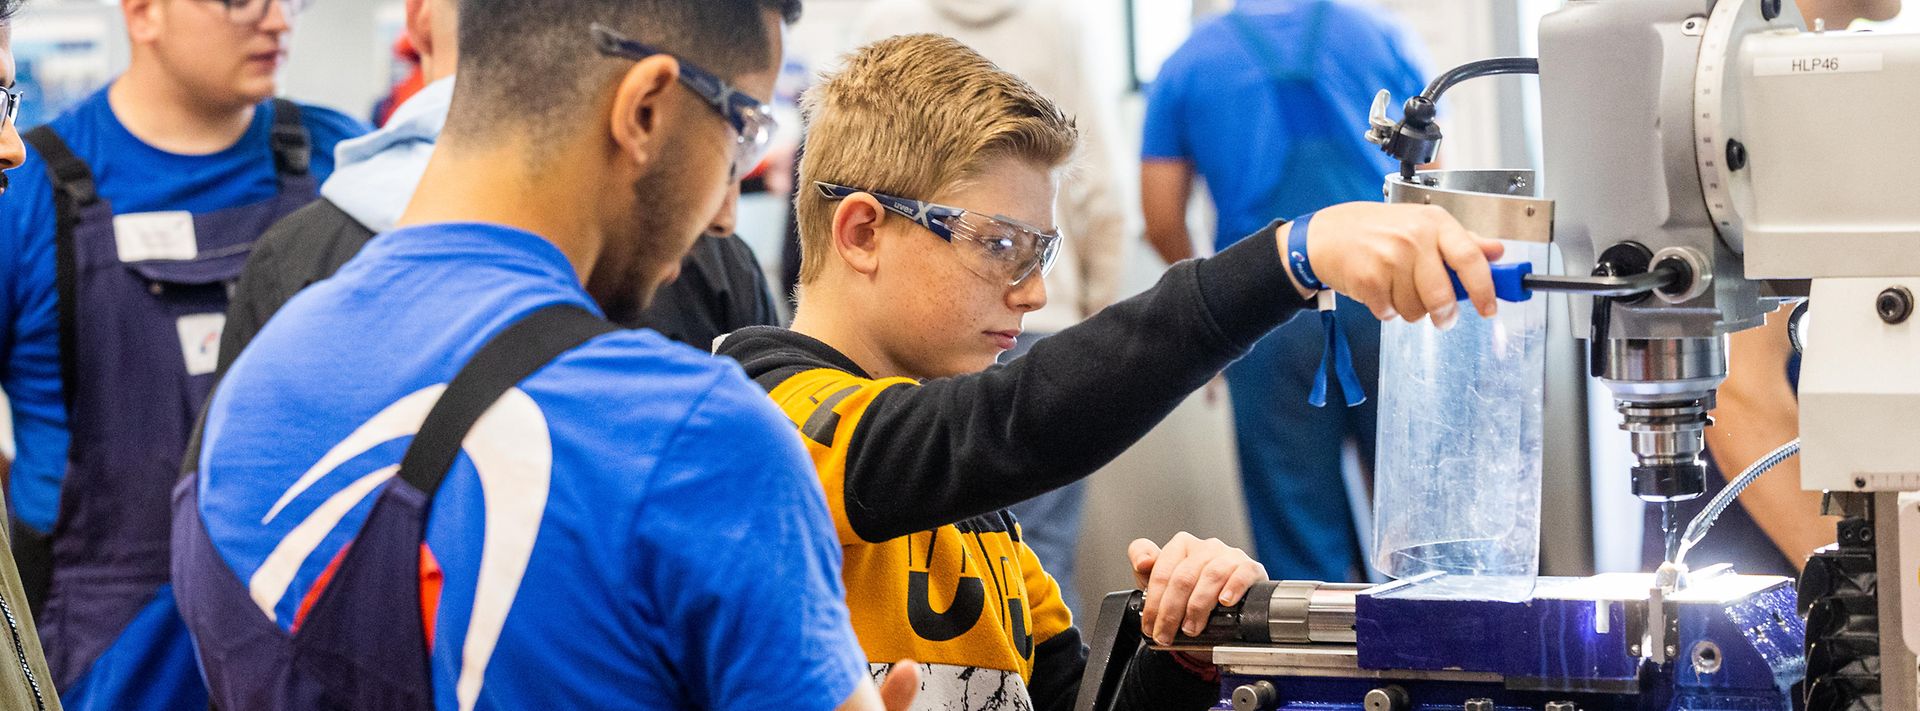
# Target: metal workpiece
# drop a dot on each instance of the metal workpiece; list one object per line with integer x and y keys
{"x": 1300, "y": 612}
{"x": 1498, "y": 204}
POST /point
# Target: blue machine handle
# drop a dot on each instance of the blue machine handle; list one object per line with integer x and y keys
{"x": 1509, "y": 282}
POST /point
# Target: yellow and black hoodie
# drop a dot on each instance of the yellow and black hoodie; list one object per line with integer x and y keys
{"x": 918, "y": 474}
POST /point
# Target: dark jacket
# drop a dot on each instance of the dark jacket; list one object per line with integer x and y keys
{"x": 720, "y": 290}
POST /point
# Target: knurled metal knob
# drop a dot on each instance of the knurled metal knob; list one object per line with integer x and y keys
{"x": 1257, "y": 696}
{"x": 1390, "y": 698}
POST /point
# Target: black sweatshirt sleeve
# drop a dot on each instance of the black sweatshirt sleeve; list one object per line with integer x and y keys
{"x": 955, "y": 448}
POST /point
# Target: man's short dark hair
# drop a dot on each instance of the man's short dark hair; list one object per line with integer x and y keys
{"x": 532, "y": 60}
{"x": 9, "y": 8}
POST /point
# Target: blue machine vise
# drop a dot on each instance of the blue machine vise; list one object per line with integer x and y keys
{"x": 1606, "y": 643}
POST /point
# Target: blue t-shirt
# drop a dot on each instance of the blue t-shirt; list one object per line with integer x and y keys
{"x": 133, "y": 177}
{"x": 657, "y": 536}
{"x": 1271, "y": 149}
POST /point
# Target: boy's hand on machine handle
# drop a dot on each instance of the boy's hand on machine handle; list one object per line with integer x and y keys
{"x": 1395, "y": 259}
{"x": 1186, "y": 579}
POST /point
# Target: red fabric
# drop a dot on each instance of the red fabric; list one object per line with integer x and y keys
{"x": 416, "y": 80}
{"x": 431, "y": 580}
{"x": 319, "y": 586}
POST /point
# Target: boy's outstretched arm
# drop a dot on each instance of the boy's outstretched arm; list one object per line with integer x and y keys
{"x": 921, "y": 456}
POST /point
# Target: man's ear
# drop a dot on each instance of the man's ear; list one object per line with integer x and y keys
{"x": 856, "y": 232}
{"x": 420, "y": 30}
{"x": 144, "y": 20}
{"x": 639, "y": 101}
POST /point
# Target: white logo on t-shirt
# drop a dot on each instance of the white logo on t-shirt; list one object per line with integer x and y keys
{"x": 512, "y": 451}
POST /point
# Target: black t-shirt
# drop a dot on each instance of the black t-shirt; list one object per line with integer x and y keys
{"x": 720, "y": 290}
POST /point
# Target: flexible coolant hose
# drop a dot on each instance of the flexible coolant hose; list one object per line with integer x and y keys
{"x": 1704, "y": 521}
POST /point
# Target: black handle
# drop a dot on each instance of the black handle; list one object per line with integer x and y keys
{"x": 1116, "y": 638}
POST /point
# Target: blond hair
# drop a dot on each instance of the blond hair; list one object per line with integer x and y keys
{"x": 911, "y": 116}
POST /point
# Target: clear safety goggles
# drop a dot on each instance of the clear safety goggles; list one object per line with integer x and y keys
{"x": 998, "y": 248}
{"x": 751, "y": 118}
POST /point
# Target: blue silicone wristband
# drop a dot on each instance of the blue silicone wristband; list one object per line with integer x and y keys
{"x": 1297, "y": 254}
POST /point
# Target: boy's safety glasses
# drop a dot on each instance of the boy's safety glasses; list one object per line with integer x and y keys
{"x": 1000, "y": 249}
{"x": 751, "y": 119}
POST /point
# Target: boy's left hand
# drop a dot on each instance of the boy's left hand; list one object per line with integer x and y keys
{"x": 1186, "y": 579}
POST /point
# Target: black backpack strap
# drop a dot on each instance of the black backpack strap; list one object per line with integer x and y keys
{"x": 517, "y": 352}
{"x": 292, "y": 147}
{"x": 73, "y": 192}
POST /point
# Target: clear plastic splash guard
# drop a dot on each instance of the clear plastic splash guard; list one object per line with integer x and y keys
{"x": 1458, "y": 464}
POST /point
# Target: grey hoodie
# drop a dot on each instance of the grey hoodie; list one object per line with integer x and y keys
{"x": 376, "y": 174}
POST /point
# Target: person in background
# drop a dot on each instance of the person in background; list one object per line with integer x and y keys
{"x": 1088, "y": 276}
{"x": 415, "y": 79}
{"x": 720, "y": 289}
{"x": 622, "y": 522}
{"x": 1776, "y": 526}
{"x": 26, "y": 685}
{"x": 126, "y": 222}
{"x": 1268, "y": 104}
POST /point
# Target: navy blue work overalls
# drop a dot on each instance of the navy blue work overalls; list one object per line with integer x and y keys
{"x": 363, "y": 645}
{"x": 134, "y": 361}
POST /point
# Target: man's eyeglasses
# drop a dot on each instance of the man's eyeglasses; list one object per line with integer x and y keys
{"x": 11, "y": 111}
{"x": 1006, "y": 250}
{"x": 251, "y": 12}
{"x": 751, "y": 119}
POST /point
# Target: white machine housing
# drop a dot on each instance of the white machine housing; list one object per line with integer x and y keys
{"x": 1829, "y": 125}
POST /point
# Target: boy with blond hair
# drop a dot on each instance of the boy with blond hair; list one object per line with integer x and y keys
{"x": 926, "y": 212}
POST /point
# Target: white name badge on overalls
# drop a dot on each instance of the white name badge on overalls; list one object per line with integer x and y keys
{"x": 200, "y": 341}
{"x": 149, "y": 236}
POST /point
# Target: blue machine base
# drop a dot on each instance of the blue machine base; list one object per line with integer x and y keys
{"x": 1738, "y": 642}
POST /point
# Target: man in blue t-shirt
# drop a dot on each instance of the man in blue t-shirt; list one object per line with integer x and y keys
{"x": 122, "y": 227}
{"x": 1268, "y": 105}
{"x": 634, "y": 526}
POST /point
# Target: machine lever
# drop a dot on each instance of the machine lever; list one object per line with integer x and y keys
{"x": 1517, "y": 282}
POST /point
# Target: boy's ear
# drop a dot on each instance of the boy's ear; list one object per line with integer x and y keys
{"x": 856, "y": 232}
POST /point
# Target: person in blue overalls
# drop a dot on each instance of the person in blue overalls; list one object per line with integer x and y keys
{"x": 123, "y": 228}
{"x": 1268, "y": 104}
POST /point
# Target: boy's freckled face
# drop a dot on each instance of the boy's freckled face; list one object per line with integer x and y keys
{"x": 941, "y": 318}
